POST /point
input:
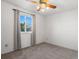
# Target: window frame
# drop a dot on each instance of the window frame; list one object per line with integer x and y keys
{"x": 25, "y": 24}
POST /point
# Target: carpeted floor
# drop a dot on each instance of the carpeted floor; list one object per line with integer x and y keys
{"x": 42, "y": 51}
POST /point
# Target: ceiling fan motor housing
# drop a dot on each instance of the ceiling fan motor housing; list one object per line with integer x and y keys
{"x": 43, "y": 1}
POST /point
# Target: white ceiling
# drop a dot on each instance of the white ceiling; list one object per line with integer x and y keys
{"x": 62, "y": 5}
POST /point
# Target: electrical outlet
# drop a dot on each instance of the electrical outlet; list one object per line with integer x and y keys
{"x": 6, "y": 45}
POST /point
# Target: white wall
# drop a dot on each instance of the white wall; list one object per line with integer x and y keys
{"x": 7, "y": 28}
{"x": 61, "y": 29}
{"x": 40, "y": 37}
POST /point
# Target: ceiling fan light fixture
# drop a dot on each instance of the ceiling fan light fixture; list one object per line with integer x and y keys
{"x": 43, "y": 5}
{"x": 47, "y": 8}
{"x": 38, "y": 7}
{"x": 42, "y": 10}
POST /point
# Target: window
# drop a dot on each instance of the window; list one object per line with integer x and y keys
{"x": 26, "y": 23}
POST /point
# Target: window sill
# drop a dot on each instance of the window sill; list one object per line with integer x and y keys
{"x": 26, "y": 32}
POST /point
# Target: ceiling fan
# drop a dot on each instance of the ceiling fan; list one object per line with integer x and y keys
{"x": 42, "y": 4}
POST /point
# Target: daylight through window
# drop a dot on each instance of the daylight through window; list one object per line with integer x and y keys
{"x": 26, "y": 23}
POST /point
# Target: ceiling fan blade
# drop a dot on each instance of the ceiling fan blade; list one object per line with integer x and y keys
{"x": 34, "y": 2}
{"x": 38, "y": 8}
{"x": 44, "y": 1}
{"x": 51, "y": 6}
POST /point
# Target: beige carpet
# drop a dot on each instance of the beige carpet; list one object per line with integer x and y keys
{"x": 42, "y": 51}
